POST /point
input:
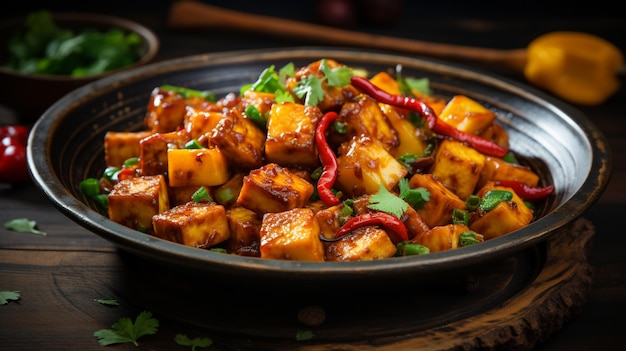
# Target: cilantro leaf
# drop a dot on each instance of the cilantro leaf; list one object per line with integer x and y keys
{"x": 125, "y": 331}
{"x": 5, "y": 296}
{"x": 108, "y": 301}
{"x": 310, "y": 86}
{"x": 336, "y": 77}
{"x": 387, "y": 202}
{"x": 421, "y": 85}
{"x": 183, "y": 340}
{"x": 23, "y": 225}
{"x": 415, "y": 197}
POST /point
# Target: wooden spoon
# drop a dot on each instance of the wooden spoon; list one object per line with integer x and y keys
{"x": 188, "y": 14}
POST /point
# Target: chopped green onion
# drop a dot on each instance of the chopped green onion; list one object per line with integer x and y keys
{"x": 317, "y": 173}
{"x": 188, "y": 93}
{"x": 224, "y": 196}
{"x": 131, "y": 161}
{"x": 468, "y": 238}
{"x": 460, "y": 216}
{"x": 201, "y": 194}
{"x": 409, "y": 249}
{"x": 493, "y": 197}
{"x": 472, "y": 202}
{"x": 193, "y": 144}
{"x": 218, "y": 250}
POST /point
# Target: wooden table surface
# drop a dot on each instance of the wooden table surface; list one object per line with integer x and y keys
{"x": 60, "y": 275}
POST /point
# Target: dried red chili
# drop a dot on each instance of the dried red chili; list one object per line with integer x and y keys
{"x": 13, "y": 167}
{"x": 392, "y": 225}
{"x": 525, "y": 191}
{"x": 328, "y": 159}
{"x": 434, "y": 123}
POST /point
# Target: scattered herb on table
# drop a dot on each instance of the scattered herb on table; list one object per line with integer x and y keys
{"x": 6, "y": 296}
{"x": 125, "y": 331}
{"x": 183, "y": 340}
{"x": 108, "y": 301}
{"x": 24, "y": 225}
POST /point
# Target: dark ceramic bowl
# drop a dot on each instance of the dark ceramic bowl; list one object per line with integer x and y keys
{"x": 29, "y": 95}
{"x": 560, "y": 143}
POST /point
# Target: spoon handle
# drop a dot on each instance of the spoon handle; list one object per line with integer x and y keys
{"x": 189, "y": 14}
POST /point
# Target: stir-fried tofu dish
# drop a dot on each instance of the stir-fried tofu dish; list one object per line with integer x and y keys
{"x": 323, "y": 162}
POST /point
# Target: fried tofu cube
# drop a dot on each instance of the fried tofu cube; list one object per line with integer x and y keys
{"x": 363, "y": 244}
{"x": 245, "y": 228}
{"x": 438, "y": 209}
{"x": 506, "y": 217}
{"x": 290, "y": 138}
{"x": 291, "y": 235}
{"x": 458, "y": 167}
{"x": 200, "y": 122}
{"x": 467, "y": 115}
{"x": 134, "y": 201}
{"x": 165, "y": 111}
{"x": 364, "y": 116}
{"x": 273, "y": 188}
{"x": 197, "y": 224}
{"x": 153, "y": 150}
{"x": 410, "y": 138}
{"x": 241, "y": 141}
{"x": 196, "y": 167}
{"x": 261, "y": 100}
{"x": 329, "y": 220}
{"x": 444, "y": 237}
{"x": 498, "y": 169}
{"x": 364, "y": 165}
{"x": 120, "y": 146}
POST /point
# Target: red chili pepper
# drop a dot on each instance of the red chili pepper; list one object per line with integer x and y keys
{"x": 526, "y": 191}
{"x": 328, "y": 159}
{"x": 434, "y": 123}
{"x": 13, "y": 165}
{"x": 391, "y": 223}
{"x": 126, "y": 173}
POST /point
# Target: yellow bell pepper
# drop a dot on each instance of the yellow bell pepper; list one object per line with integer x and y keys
{"x": 577, "y": 67}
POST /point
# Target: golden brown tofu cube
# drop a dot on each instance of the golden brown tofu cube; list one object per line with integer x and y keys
{"x": 199, "y": 122}
{"x": 273, "y": 188}
{"x": 438, "y": 209}
{"x": 498, "y": 169}
{"x": 364, "y": 116}
{"x": 240, "y": 139}
{"x": 165, "y": 111}
{"x": 458, "y": 167}
{"x": 291, "y": 235}
{"x": 290, "y": 138}
{"x": 134, "y": 201}
{"x": 197, "y": 224}
{"x": 410, "y": 138}
{"x": 467, "y": 115}
{"x": 329, "y": 220}
{"x": 444, "y": 237}
{"x": 196, "y": 167}
{"x": 245, "y": 228}
{"x": 364, "y": 165}
{"x": 153, "y": 150}
{"x": 506, "y": 217}
{"x": 261, "y": 100}
{"x": 120, "y": 146}
{"x": 363, "y": 244}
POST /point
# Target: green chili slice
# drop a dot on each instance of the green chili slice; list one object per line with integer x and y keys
{"x": 90, "y": 187}
{"x": 493, "y": 197}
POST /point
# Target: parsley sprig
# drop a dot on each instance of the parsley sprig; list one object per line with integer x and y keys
{"x": 125, "y": 331}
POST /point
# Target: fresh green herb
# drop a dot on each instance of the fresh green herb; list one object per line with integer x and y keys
{"x": 183, "y": 340}
{"x": 24, "y": 225}
{"x": 385, "y": 201}
{"x": 493, "y": 197}
{"x": 310, "y": 88}
{"x": 102, "y": 200}
{"x": 110, "y": 172}
{"x": 407, "y": 249}
{"x": 125, "y": 331}
{"x": 201, "y": 194}
{"x": 129, "y": 162}
{"x": 288, "y": 70}
{"x": 6, "y": 296}
{"x": 218, "y": 249}
{"x": 468, "y": 238}
{"x": 408, "y": 159}
{"x": 510, "y": 158}
{"x": 472, "y": 202}
{"x": 346, "y": 209}
{"x": 281, "y": 96}
{"x": 41, "y": 47}
{"x": 193, "y": 144}
{"x": 224, "y": 196}
{"x": 268, "y": 81}
{"x": 420, "y": 84}
{"x": 304, "y": 335}
{"x": 255, "y": 116}
{"x": 339, "y": 127}
{"x": 336, "y": 77}
{"x": 108, "y": 301}
{"x": 460, "y": 216}
{"x": 189, "y": 93}
{"x": 415, "y": 197}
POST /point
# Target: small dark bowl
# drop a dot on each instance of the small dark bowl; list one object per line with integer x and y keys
{"x": 558, "y": 141}
{"x": 30, "y": 95}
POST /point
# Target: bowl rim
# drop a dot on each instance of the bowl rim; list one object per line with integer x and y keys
{"x": 190, "y": 257}
{"x": 150, "y": 38}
